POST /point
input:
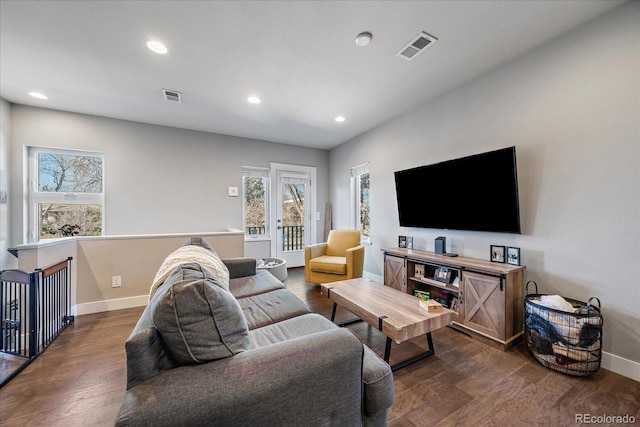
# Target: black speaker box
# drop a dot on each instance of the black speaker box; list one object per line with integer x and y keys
{"x": 440, "y": 245}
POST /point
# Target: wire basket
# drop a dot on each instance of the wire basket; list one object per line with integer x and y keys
{"x": 566, "y": 342}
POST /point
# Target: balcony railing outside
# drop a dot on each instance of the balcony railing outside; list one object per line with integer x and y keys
{"x": 292, "y": 236}
{"x": 253, "y": 230}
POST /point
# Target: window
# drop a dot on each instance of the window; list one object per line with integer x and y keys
{"x": 66, "y": 193}
{"x": 361, "y": 201}
{"x": 255, "y": 202}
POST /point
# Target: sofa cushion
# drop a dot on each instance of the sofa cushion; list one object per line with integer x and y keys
{"x": 329, "y": 264}
{"x": 197, "y": 317}
{"x": 195, "y": 250}
{"x": 295, "y": 327}
{"x": 262, "y": 281}
{"x": 271, "y": 307}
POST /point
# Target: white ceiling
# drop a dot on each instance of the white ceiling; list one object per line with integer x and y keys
{"x": 298, "y": 56}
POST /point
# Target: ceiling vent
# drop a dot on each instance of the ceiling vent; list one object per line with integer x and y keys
{"x": 417, "y": 45}
{"x": 172, "y": 95}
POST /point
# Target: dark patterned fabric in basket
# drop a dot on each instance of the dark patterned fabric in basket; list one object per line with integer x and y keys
{"x": 570, "y": 343}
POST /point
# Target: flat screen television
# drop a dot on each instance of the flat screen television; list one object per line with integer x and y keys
{"x": 477, "y": 193}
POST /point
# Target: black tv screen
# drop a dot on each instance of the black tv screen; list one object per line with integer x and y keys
{"x": 477, "y": 193}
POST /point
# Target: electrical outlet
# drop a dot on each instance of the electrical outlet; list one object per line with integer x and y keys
{"x": 116, "y": 281}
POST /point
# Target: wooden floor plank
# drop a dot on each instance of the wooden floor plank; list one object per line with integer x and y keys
{"x": 81, "y": 378}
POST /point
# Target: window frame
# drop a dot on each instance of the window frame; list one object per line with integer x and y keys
{"x": 264, "y": 173}
{"x": 36, "y": 197}
{"x": 356, "y": 190}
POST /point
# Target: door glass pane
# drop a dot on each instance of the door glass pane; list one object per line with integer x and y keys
{"x": 60, "y": 220}
{"x": 293, "y": 215}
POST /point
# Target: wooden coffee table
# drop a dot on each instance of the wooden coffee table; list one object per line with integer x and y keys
{"x": 397, "y": 314}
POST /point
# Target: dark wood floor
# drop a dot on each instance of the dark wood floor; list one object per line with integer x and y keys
{"x": 80, "y": 379}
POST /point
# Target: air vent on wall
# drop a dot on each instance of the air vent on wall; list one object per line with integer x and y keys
{"x": 172, "y": 95}
{"x": 417, "y": 45}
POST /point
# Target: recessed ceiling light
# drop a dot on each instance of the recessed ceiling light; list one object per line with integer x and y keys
{"x": 363, "y": 39}
{"x": 157, "y": 47}
{"x": 339, "y": 119}
{"x": 38, "y": 95}
{"x": 254, "y": 100}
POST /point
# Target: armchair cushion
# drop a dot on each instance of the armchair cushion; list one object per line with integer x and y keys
{"x": 329, "y": 264}
{"x": 339, "y": 241}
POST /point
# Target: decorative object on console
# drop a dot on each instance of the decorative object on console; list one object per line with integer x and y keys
{"x": 422, "y": 295}
{"x": 431, "y": 306}
{"x": 402, "y": 241}
{"x": 419, "y": 271}
{"x": 409, "y": 242}
{"x": 497, "y": 253}
{"x": 513, "y": 256}
{"x": 443, "y": 274}
{"x": 441, "y": 247}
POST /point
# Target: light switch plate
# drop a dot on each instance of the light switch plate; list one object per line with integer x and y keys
{"x": 233, "y": 191}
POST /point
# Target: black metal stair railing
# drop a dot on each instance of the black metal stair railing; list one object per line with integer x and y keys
{"x": 34, "y": 309}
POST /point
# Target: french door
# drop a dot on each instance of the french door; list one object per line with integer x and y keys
{"x": 295, "y": 206}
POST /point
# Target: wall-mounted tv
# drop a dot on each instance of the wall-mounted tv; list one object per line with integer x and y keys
{"x": 477, "y": 193}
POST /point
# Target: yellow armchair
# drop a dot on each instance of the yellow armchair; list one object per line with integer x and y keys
{"x": 341, "y": 257}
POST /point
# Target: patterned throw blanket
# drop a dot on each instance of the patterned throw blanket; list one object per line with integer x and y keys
{"x": 190, "y": 254}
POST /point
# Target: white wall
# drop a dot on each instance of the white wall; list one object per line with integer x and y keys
{"x": 571, "y": 107}
{"x": 6, "y": 260}
{"x": 158, "y": 179}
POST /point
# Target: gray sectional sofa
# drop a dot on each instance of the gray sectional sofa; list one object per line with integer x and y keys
{"x": 249, "y": 353}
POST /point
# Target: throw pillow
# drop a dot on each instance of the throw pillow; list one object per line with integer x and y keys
{"x": 197, "y": 317}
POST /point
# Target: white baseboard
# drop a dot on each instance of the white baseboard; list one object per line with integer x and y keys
{"x": 620, "y": 365}
{"x": 109, "y": 305}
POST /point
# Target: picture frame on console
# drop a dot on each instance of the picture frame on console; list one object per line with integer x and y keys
{"x": 402, "y": 241}
{"x": 513, "y": 256}
{"x": 442, "y": 274}
{"x": 497, "y": 253}
{"x": 409, "y": 242}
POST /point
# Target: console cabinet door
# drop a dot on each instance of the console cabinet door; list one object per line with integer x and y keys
{"x": 394, "y": 272}
{"x": 484, "y": 304}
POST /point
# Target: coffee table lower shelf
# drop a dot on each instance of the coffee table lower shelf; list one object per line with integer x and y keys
{"x": 387, "y": 349}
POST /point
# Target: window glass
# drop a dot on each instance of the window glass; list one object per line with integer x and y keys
{"x": 66, "y": 193}
{"x": 62, "y": 220}
{"x": 255, "y": 202}
{"x": 362, "y": 200}
{"x": 69, "y": 173}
